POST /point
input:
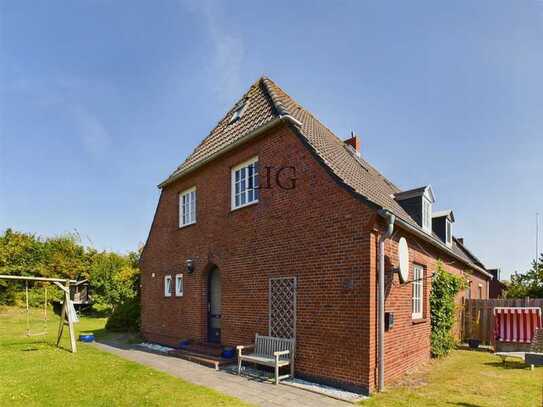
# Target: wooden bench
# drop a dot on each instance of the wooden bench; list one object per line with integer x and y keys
{"x": 270, "y": 351}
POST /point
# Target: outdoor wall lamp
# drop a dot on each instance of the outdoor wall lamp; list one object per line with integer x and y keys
{"x": 190, "y": 266}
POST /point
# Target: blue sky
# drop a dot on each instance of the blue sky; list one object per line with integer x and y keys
{"x": 100, "y": 100}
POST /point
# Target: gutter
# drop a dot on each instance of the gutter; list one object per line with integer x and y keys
{"x": 390, "y": 218}
{"x": 252, "y": 134}
{"x": 424, "y": 236}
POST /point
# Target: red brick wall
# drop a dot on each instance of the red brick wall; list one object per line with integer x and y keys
{"x": 317, "y": 232}
{"x": 407, "y": 344}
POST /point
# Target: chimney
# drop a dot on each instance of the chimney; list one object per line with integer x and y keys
{"x": 354, "y": 142}
{"x": 461, "y": 240}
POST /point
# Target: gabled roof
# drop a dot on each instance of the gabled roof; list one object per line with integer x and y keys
{"x": 440, "y": 214}
{"x": 425, "y": 190}
{"x": 258, "y": 112}
{"x": 460, "y": 248}
{"x": 267, "y": 104}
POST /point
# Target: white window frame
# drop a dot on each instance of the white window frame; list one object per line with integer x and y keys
{"x": 246, "y": 193}
{"x": 167, "y": 293}
{"x": 179, "y": 288}
{"x": 417, "y": 300}
{"x": 187, "y": 207}
{"x": 426, "y": 215}
{"x": 448, "y": 232}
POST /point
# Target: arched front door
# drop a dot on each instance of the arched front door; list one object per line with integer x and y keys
{"x": 214, "y": 306}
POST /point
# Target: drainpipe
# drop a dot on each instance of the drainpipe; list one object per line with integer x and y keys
{"x": 390, "y": 218}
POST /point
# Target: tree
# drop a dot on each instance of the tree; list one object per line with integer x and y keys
{"x": 114, "y": 278}
{"x": 529, "y": 284}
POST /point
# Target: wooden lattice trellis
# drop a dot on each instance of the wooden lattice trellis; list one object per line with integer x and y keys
{"x": 282, "y": 307}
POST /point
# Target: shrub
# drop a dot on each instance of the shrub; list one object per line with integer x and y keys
{"x": 125, "y": 317}
{"x": 445, "y": 286}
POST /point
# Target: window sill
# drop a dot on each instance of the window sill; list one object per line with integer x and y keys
{"x": 419, "y": 321}
{"x": 187, "y": 225}
{"x": 243, "y": 206}
{"x": 179, "y": 295}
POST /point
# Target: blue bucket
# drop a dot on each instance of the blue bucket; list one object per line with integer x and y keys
{"x": 86, "y": 338}
{"x": 228, "y": 353}
{"x": 184, "y": 344}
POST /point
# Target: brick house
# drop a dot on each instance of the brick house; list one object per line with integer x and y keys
{"x": 272, "y": 226}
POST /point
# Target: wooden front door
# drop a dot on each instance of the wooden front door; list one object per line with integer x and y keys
{"x": 214, "y": 307}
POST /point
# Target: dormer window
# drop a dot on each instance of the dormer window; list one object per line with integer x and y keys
{"x": 239, "y": 109}
{"x": 448, "y": 232}
{"x": 418, "y": 204}
{"x": 442, "y": 225}
{"x": 426, "y": 215}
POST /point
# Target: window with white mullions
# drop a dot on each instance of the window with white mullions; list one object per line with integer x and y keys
{"x": 167, "y": 286}
{"x": 245, "y": 183}
{"x": 448, "y": 232}
{"x": 179, "y": 285}
{"x": 426, "y": 215}
{"x": 187, "y": 207}
{"x": 418, "y": 280}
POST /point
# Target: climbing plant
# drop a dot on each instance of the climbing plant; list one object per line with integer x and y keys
{"x": 445, "y": 287}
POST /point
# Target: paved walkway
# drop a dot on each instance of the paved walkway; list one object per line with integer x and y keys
{"x": 254, "y": 392}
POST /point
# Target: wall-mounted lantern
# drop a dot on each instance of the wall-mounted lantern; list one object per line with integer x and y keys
{"x": 190, "y": 266}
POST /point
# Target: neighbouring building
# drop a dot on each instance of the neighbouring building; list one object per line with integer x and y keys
{"x": 272, "y": 226}
{"x": 497, "y": 288}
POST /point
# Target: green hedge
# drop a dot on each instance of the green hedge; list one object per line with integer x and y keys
{"x": 125, "y": 317}
{"x": 445, "y": 287}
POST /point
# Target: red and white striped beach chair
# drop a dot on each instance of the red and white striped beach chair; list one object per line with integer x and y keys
{"x": 515, "y": 330}
{"x": 516, "y": 325}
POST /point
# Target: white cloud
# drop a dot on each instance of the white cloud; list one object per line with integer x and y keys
{"x": 93, "y": 135}
{"x": 227, "y": 50}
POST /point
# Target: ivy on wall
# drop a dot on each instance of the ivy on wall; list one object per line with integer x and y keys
{"x": 445, "y": 287}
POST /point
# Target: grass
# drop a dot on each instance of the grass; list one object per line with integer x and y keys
{"x": 33, "y": 372}
{"x": 467, "y": 378}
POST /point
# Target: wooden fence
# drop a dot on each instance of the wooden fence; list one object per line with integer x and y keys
{"x": 478, "y": 319}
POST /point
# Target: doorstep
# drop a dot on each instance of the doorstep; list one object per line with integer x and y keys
{"x": 201, "y": 358}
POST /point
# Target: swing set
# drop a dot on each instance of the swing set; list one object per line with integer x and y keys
{"x": 68, "y": 315}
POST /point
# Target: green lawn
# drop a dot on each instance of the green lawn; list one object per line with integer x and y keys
{"x": 470, "y": 379}
{"x": 34, "y": 372}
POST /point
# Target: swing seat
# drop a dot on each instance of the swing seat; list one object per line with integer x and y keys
{"x": 37, "y": 333}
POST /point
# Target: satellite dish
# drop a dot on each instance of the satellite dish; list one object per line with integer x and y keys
{"x": 403, "y": 255}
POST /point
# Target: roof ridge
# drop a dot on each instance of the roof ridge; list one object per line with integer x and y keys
{"x": 306, "y": 110}
{"x": 280, "y": 107}
{"x": 361, "y": 160}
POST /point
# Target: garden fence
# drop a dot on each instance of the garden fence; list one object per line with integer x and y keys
{"x": 478, "y": 320}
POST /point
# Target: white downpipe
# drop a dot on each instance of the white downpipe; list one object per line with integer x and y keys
{"x": 390, "y": 218}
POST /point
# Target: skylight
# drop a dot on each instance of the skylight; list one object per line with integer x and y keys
{"x": 238, "y": 111}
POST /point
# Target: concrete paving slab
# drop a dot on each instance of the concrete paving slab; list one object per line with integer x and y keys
{"x": 251, "y": 391}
